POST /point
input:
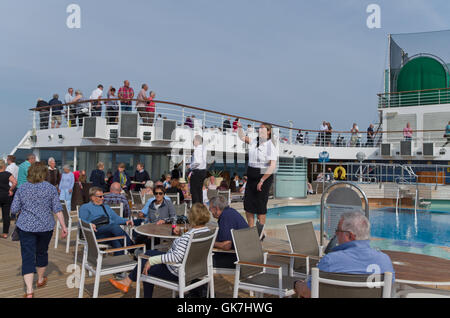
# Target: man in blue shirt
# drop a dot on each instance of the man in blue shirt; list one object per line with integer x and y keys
{"x": 95, "y": 209}
{"x": 23, "y": 169}
{"x": 353, "y": 255}
{"x": 227, "y": 219}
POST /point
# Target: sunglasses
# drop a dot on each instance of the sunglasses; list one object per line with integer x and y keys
{"x": 99, "y": 196}
{"x": 159, "y": 193}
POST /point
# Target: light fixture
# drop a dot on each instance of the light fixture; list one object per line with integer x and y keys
{"x": 61, "y": 137}
{"x": 50, "y": 137}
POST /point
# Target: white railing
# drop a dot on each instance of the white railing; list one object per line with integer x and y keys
{"x": 414, "y": 98}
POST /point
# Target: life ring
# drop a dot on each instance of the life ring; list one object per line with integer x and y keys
{"x": 336, "y": 173}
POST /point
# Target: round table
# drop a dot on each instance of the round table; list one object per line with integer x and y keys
{"x": 154, "y": 230}
{"x": 419, "y": 269}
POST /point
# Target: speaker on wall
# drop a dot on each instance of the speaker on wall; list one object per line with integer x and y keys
{"x": 405, "y": 148}
{"x": 94, "y": 127}
{"x": 428, "y": 149}
{"x": 128, "y": 125}
{"x": 164, "y": 129}
{"x": 386, "y": 150}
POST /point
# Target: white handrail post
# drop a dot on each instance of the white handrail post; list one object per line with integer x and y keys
{"x": 182, "y": 116}
{"x": 50, "y": 117}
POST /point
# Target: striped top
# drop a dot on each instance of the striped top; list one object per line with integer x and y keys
{"x": 175, "y": 255}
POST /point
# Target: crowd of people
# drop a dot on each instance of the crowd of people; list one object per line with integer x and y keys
{"x": 78, "y": 107}
{"x": 35, "y": 193}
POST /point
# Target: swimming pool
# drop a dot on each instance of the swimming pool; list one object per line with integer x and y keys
{"x": 402, "y": 229}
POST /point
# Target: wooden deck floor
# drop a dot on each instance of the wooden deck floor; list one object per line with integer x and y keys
{"x": 12, "y": 285}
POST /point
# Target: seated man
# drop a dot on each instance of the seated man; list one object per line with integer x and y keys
{"x": 95, "y": 209}
{"x": 115, "y": 198}
{"x": 353, "y": 255}
{"x": 227, "y": 219}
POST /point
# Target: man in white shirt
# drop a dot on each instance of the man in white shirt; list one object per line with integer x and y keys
{"x": 12, "y": 167}
{"x": 198, "y": 167}
{"x": 97, "y": 106}
{"x": 323, "y": 129}
{"x": 68, "y": 99}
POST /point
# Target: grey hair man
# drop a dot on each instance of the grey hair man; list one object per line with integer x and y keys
{"x": 115, "y": 198}
{"x": 227, "y": 220}
{"x": 353, "y": 255}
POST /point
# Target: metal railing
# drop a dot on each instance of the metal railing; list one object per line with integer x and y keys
{"x": 72, "y": 115}
{"x": 409, "y": 174}
{"x": 414, "y": 98}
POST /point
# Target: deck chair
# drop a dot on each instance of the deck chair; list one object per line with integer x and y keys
{"x": 196, "y": 265}
{"x": 303, "y": 240}
{"x": 338, "y": 285}
{"x": 226, "y": 194}
{"x": 136, "y": 198}
{"x": 93, "y": 258}
{"x": 147, "y": 197}
{"x": 252, "y": 270}
{"x": 117, "y": 208}
{"x": 70, "y": 223}
{"x": 180, "y": 209}
{"x": 175, "y": 197}
{"x": 339, "y": 198}
{"x": 211, "y": 193}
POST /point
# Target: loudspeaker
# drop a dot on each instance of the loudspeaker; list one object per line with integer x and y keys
{"x": 164, "y": 129}
{"x": 386, "y": 150}
{"x": 94, "y": 127}
{"x": 428, "y": 149}
{"x": 405, "y": 148}
{"x": 128, "y": 126}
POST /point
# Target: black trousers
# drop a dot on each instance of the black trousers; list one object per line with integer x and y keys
{"x": 5, "y": 204}
{"x": 196, "y": 184}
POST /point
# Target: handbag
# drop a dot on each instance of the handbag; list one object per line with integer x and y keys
{"x": 15, "y": 234}
{"x": 103, "y": 220}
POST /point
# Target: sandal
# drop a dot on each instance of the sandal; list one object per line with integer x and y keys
{"x": 4, "y": 235}
{"x": 44, "y": 282}
{"x": 30, "y": 295}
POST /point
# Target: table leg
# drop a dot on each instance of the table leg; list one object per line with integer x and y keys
{"x": 153, "y": 242}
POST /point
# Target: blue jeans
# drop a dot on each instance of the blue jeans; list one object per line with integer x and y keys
{"x": 112, "y": 230}
{"x": 65, "y": 195}
{"x": 160, "y": 271}
{"x": 34, "y": 250}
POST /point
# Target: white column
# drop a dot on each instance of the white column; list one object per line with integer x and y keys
{"x": 75, "y": 151}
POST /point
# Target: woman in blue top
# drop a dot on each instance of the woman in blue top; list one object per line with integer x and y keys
{"x": 66, "y": 186}
{"x": 37, "y": 201}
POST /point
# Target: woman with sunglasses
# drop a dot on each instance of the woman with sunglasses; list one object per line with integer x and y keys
{"x": 161, "y": 210}
{"x": 94, "y": 210}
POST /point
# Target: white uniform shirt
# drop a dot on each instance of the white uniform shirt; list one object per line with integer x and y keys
{"x": 260, "y": 157}
{"x": 14, "y": 170}
{"x": 199, "y": 158}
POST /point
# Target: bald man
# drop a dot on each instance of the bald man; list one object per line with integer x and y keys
{"x": 115, "y": 197}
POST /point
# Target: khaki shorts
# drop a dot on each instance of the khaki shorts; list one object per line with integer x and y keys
{"x": 57, "y": 118}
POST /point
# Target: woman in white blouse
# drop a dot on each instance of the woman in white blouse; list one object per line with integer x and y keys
{"x": 263, "y": 157}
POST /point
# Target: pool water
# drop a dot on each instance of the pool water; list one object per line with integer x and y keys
{"x": 426, "y": 232}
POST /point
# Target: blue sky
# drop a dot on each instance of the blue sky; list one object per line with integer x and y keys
{"x": 300, "y": 60}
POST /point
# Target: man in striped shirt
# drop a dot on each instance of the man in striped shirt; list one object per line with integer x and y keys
{"x": 158, "y": 265}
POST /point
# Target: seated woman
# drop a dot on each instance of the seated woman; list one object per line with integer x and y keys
{"x": 148, "y": 188}
{"x": 223, "y": 186}
{"x": 185, "y": 188}
{"x": 176, "y": 188}
{"x": 159, "y": 210}
{"x": 158, "y": 263}
{"x": 94, "y": 210}
{"x": 211, "y": 183}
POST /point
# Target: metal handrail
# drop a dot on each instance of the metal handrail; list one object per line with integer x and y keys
{"x": 322, "y": 203}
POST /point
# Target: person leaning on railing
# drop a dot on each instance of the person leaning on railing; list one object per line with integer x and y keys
{"x": 407, "y": 132}
{"x": 447, "y": 134}
{"x": 37, "y": 201}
